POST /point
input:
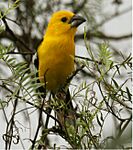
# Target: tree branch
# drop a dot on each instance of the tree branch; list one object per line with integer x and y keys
{"x": 14, "y": 37}
{"x": 101, "y": 35}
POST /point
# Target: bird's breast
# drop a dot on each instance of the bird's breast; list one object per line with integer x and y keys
{"x": 56, "y": 62}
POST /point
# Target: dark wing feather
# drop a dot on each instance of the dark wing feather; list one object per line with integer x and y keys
{"x": 35, "y": 61}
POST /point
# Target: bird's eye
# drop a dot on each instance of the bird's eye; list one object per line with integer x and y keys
{"x": 64, "y": 19}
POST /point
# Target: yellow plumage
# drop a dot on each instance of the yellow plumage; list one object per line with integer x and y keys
{"x": 56, "y": 52}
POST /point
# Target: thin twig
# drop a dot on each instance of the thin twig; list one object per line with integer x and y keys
{"x": 39, "y": 125}
{"x": 34, "y": 105}
{"x": 73, "y": 74}
{"x": 21, "y": 53}
{"x": 88, "y": 59}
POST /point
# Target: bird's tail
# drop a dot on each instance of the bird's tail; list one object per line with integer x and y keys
{"x": 66, "y": 114}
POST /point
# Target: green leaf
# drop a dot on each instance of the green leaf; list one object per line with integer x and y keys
{"x": 2, "y": 28}
{"x": 104, "y": 57}
{"x": 2, "y": 104}
{"x": 118, "y": 70}
{"x": 128, "y": 93}
{"x": 115, "y": 83}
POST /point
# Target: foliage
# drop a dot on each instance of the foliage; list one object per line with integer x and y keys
{"x": 102, "y": 89}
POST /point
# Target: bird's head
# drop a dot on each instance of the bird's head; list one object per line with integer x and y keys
{"x": 64, "y": 22}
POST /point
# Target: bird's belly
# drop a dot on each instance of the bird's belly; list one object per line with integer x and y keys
{"x": 55, "y": 71}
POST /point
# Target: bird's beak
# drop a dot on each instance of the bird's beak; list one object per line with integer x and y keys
{"x": 76, "y": 21}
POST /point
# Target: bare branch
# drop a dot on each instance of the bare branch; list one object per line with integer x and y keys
{"x": 103, "y": 36}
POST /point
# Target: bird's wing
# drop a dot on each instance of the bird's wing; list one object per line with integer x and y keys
{"x": 34, "y": 68}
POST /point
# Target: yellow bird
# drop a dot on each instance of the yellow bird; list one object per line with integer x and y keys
{"x": 57, "y": 51}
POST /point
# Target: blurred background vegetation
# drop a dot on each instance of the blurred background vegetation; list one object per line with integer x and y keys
{"x": 101, "y": 91}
